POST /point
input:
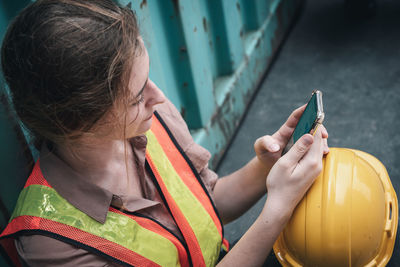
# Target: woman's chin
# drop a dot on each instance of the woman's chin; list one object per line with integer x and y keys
{"x": 147, "y": 124}
{"x": 144, "y": 127}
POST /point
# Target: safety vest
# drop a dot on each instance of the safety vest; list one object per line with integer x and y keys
{"x": 130, "y": 238}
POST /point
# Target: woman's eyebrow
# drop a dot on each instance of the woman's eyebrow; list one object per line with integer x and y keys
{"x": 144, "y": 86}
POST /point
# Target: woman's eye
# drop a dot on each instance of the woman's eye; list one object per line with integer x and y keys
{"x": 140, "y": 100}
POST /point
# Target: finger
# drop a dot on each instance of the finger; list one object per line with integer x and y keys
{"x": 312, "y": 161}
{"x": 324, "y": 132}
{"x": 266, "y": 144}
{"x": 326, "y": 147}
{"x": 318, "y": 147}
{"x": 295, "y": 116}
{"x": 299, "y": 149}
{"x": 325, "y": 136}
{"x": 286, "y": 130}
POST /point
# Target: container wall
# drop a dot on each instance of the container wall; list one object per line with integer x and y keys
{"x": 15, "y": 155}
{"x": 207, "y": 56}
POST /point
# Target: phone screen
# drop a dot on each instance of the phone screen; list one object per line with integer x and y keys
{"x": 307, "y": 120}
{"x": 305, "y": 124}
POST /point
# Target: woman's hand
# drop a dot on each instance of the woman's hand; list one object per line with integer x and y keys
{"x": 287, "y": 182}
{"x": 294, "y": 173}
{"x": 269, "y": 148}
{"x": 235, "y": 193}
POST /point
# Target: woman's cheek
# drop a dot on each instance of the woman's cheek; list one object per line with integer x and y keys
{"x": 133, "y": 114}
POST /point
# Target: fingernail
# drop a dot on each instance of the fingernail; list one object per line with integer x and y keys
{"x": 274, "y": 147}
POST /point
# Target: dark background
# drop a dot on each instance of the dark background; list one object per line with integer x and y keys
{"x": 353, "y": 56}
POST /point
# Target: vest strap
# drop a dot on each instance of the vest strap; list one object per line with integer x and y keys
{"x": 184, "y": 194}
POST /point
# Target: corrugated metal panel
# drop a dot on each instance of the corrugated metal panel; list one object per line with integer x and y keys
{"x": 208, "y": 57}
{"x": 14, "y": 153}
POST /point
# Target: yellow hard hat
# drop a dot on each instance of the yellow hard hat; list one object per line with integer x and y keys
{"x": 347, "y": 218}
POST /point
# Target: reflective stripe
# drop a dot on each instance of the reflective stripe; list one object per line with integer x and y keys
{"x": 187, "y": 210}
{"x": 155, "y": 227}
{"x": 183, "y": 170}
{"x": 225, "y": 245}
{"x": 182, "y": 223}
{"x": 68, "y": 233}
{"x": 45, "y": 202}
{"x": 36, "y": 176}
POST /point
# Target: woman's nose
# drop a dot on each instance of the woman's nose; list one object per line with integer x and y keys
{"x": 154, "y": 95}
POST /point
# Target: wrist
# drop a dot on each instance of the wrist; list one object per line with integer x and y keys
{"x": 276, "y": 210}
{"x": 263, "y": 168}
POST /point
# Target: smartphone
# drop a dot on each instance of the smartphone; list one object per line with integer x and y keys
{"x": 312, "y": 117}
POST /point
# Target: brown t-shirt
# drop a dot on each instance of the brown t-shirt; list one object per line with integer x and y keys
{"x": 39, "y": 250}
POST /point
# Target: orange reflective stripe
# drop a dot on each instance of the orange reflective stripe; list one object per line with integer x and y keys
{"x": 36, "y": 176}
{"x": 187, "y": 231}
{"x": 184, "y": 170}
{"x": 103, "y": 245}
{"x": 225, "y": 244}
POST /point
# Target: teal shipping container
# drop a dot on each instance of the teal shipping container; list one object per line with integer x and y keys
{"x": 207, "y": 56}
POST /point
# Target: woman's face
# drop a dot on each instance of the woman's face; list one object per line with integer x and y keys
{"x": 144, "y": 95}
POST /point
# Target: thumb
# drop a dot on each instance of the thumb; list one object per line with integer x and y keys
{"x": 300, "y": 148}
{"x": 266, "y": 144}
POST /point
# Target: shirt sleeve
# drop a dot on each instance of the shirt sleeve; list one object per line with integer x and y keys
{"x": 197, "y": 154}
{"x": 40, "y": 250}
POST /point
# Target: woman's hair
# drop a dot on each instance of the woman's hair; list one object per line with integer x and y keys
{"x": 66, "y": 62}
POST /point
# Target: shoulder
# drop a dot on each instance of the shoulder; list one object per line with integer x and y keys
{"x": 179, "y": 129}
{"x": 198, "y": 155}
{"x": 175, "y": 123}
{"x": 172, "y": 117}
{"x": 40, "y": 250}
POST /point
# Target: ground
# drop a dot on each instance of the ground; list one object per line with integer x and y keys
{"x": 354, "y": 60}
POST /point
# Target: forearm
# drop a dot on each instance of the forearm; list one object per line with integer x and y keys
{"x": 236, "y": 193}
{"x": 255, "y": 245}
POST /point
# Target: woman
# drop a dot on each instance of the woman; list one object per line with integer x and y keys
{"x": 120, "y": 180}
